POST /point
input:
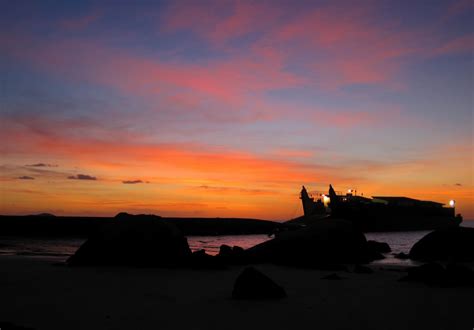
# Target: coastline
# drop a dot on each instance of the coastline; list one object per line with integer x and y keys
{"x": 39, "y": 293}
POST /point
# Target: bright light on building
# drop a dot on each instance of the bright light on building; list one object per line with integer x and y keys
{"x": 349, "y": 190}
{"x": 326, "y": 200}
{"x": 452, "y": 202}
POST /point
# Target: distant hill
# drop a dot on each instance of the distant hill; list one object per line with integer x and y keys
{"x": 48, "y": 225}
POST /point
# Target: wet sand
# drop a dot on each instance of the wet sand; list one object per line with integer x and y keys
{"x": 37, "y": 294}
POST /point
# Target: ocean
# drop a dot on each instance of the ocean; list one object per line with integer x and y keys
{"x": 63, "y": 248}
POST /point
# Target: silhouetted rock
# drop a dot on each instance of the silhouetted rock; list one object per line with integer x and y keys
{"x": 374, "y": 255}
{"x": 201, "y": 260}
{"x": 134, "y": 240}
{"x": 325, "y": 242}
{"x": 401, "y": 255}
{"x": 237, "y": 250}
{"x": 359, "y": 269}
{"x": 253, "y": 285}
{"x": 225, "y": 251}
{"x": 232, "y": 255}
{"x": 332, "y": 277}
{"x": 379, "y": 247}
{"x": 453, "y": 244}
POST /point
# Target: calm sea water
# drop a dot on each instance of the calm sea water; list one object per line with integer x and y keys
{"x": 398, "y": 241}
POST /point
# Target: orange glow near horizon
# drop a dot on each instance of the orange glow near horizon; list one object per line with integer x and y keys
{"x": 198, "y": 180}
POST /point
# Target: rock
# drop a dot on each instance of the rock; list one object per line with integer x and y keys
{"x": 431, "y": 273}
{"x": 401, "y": 256}
{"x": 450, "y": 244}
{"x": 232, "y": 255}
{"x": 379, "y": 247}
{"x": 332, "y": 277}
{"x": 359, "y": 269}
{"x": 253, "y": 285}
{"x": 200, "y": 253}
{"x": 134, "y": 241}
{"x": 328, "y": 241}
{"x": 201, "y": 260}
{"x": 225, "y": 251}
{"x": 237, "y": 250}
{"x": 374, "y": 255}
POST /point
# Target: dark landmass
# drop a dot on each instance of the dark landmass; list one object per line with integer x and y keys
{"x": 57, "y": 226}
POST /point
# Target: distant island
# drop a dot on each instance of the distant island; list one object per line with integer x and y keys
{"x": 49, "y": 225}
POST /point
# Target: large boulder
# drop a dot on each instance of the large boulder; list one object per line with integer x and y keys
{"x": 142, "y": 240}
{"x": 451, "y": 244}
{"x": 328, "y": 241}
{"x": 253, "y": 285}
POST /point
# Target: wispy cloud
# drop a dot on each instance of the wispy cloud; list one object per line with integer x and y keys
{"x": 42, "y": 165}
{"x": 82, "y": 177}
{"x": 25, "y": 177}
{"x": 132, "y": 181}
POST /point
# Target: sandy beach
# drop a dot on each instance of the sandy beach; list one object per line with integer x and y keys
{"x": 39, "y": 294}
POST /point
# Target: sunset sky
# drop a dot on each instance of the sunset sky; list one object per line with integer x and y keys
{"x": 199, "y": 108}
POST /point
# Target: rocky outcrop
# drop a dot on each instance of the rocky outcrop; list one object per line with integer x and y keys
{"x": 232, "y": 255}
{"x": 201, "y": 260}
{"x": 380, "y": 247}
{"x": 452, "y": 244}
{"x": 251, "y": 284}
{"x": 142, "y": 240}
{"x": 329, "y": 241}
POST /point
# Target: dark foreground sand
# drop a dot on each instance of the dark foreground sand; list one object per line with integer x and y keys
{"x": 37, "y": 294}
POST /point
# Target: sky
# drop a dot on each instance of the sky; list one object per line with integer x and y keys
{"x": 218, "y": 109}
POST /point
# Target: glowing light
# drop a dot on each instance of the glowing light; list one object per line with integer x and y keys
{"x": 326, "y": 200}
{"x": 452, "y": 202}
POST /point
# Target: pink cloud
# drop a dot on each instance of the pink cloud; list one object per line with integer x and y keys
{"x": 227, "y": 80}
{"x": 462, "y": 44}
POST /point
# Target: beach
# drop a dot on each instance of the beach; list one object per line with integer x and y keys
{"x": 42, "y": 293}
